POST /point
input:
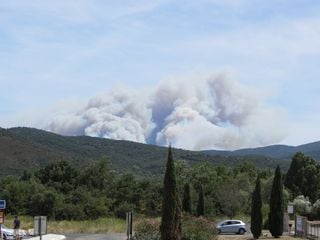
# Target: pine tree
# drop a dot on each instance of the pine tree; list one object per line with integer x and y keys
{"x": 171, "y": 214}
{"x": 200, "y": 206}
{"x": 186, "y": 204}
{"x": 276, "y": 206}
{"x": 256, "y": 213}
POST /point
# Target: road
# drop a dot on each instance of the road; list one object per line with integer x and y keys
{"x": 248, "y": 236}
{"x": 82, "y": 236}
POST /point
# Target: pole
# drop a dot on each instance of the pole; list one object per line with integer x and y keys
{"x": 130, "y": 225}
{"x": 40, "y": 232}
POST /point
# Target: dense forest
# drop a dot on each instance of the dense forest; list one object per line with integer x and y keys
{"x": 61, "y": 191}
{"x": 31, "y": 149}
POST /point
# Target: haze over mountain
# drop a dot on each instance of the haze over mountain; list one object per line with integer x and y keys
{"x": 30, "y": 149}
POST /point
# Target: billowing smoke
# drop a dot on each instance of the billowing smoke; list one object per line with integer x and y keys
{"x": 210, "y": 113}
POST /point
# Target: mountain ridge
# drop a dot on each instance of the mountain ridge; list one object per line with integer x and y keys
{"x": 30, "y": 149}
{"x": 274, "y": 151}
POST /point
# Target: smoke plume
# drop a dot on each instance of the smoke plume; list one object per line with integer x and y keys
{"x": 209, "y": 113}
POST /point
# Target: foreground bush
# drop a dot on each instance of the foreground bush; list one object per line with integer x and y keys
{"x": 192, "y": 229}
{"x": 198, "y": 229}
{"x": 147, "y": 229}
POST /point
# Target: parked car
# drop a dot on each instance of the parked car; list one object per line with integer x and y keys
{"x": 7, "y": 234}
{"x": 231, "y": 226}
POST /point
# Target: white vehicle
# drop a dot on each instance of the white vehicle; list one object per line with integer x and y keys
{"x": 8, "y": 233}
{"x": 232, "y": 226}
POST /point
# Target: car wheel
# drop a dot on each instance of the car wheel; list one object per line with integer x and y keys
{"x": 241, "y": 231}
{"x": 219, "y": 231}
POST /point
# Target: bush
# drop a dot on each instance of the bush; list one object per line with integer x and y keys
{"x": 147, "y": 229}
{"x": 192, "y": 229}
{"x": 122, "y": 209}
{"x": 302, "y": 205}
{"x": 198, "y": 229}
{"x": 316, "y": 210}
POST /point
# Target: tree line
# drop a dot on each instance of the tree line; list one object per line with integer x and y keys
{"x": 62, "y": 191}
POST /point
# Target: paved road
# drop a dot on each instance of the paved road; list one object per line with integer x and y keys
{"x": 95, "y": 236}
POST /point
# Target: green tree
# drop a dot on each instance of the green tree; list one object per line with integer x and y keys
{"x": 256, "y": 211}
{"x": 276, "y": 205}
{"x": 211, "y": 178}
{"x": 170, "y": 221}
{"x": 200, "y": 206}
{"x": 59, "y": 175}
{"x": 303, "y": 177}
{"x": 186, "y": 203}
{"x": 98, "y": 175}
{"x": 43, "y": 203}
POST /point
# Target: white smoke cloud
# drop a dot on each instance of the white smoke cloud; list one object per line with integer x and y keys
{"x": 193, "y": 113}
{"x": 217, "y": 113}
{"x": 119, "y": 114}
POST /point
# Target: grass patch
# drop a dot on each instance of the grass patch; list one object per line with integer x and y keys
{"x": 101, "y": 225}
{"x": 26, "y": 222}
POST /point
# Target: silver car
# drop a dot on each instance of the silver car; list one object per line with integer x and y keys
{"x": 7, "y": 234}
{"x": 232, "y": 226}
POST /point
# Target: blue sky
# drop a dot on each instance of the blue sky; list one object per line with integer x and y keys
{"x": 56, "y": 51}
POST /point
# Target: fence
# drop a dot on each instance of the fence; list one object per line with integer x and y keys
{"x": 313, "y": 229}
{"x": 307, "y": 229}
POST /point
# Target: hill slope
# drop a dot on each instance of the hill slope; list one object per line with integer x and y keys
{"x": 30, "y": 149}
{"x": 273, "y": 151}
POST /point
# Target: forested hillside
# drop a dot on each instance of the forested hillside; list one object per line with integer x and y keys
{"x": 31, "y": 149}
{"x": 85, "y": 177}
{"x": 274, "y": 151}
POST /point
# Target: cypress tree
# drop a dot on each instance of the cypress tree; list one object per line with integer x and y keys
{"x": 170, "y": 221}
{"x": 276, "y": 206}
{"x": 256, "y": 213}
{"x": 200, "y": 206}
{"x": 186, "y": 204}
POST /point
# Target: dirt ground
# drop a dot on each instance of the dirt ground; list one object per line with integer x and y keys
{"x": 248, "y": 236}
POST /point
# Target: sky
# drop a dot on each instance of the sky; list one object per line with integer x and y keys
{"x": 205, "y": 74}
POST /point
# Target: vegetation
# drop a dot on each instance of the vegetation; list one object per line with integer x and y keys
{"x": 171, "y": 214}
{"x": 256, "y": 212}
{"x": 97, "y": 190}
{"x": 303, "y": 177}
{"x": 192, "y": 229}
{"x": 197, "y": 229}
{"x": 69, "y": 179}
{"x": 200, "y": 206}
{"x": 35, "y": 149}
{"x": 276, "y": 206}
{"x": 147, "y": 229}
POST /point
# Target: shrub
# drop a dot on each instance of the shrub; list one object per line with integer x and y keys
{"x": 147, "y": 229}
{"x": 316, "y": 210}
{"x": 122, "y": 209}
{"x": 198, "y": 229}
{"x": 302, "y": 205}
{"x": 193, "y": 228}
